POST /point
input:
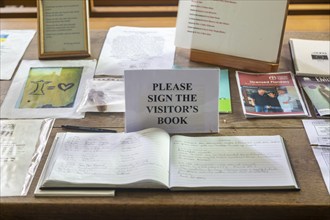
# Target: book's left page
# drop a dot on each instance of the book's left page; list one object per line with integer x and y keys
{"x": 108, "y": 160}
{"x": 22, "y": 143}
{"x": 13, "y": 44}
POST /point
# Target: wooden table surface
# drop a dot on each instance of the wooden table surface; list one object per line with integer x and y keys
{"x": 311, "y": 202}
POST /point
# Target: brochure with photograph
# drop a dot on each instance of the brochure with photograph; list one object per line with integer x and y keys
{"x": 318, "y": 91}
{"x": 270, "y": 95}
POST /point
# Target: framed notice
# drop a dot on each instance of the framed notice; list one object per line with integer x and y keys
{"x": 63, "y": 28}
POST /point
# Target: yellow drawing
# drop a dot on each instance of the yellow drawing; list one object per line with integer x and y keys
{"x": 3, "y": 38}
{"x": 51, "y": 87}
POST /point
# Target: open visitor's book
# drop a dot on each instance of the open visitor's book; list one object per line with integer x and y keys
{"x": 150, "y": 158}
{"x": 270, "y": 95}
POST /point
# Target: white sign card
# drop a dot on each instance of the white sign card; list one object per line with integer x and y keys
{"x": 51, "y": 89}
{"x": 249, "y": 29}
{"x": 178, "y": 101}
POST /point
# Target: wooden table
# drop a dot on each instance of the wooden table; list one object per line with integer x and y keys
{"x": 311, "y": 202}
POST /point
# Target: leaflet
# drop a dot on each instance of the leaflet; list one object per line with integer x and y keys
{"x": 270, "y": 95}
{"x": 13, "y": 44}
{"x": 318, "y": 132}
{"x": 130, "y": 48}
{"x": 22, "y": 145}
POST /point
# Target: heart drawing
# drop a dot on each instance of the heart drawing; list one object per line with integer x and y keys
{"x": 64, "y": 87}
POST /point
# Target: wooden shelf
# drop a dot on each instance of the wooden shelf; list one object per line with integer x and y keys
{"x": 13, "y": 11}
{"x": 309, "y": 9}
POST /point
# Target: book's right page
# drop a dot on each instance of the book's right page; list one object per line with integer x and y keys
{"x": 231, "y": 162}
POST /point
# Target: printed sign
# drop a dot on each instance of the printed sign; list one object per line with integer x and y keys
{"x": 179, "y": 101}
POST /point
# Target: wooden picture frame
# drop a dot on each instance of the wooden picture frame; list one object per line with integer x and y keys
{"x": 63, "y": 29}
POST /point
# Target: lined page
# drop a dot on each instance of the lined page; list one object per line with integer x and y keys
{"x": 237, "y": 162}
{"x": 105, "y": 158}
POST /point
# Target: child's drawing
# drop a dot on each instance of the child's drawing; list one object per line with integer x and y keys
{"x": 51, "y": 87}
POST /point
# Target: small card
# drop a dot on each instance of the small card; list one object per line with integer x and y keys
{"x": 178, "y": 101}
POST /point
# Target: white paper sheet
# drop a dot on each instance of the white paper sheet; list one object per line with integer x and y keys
{"x": 322, "y": 155}
{"x": 13, "y": 44}
{"x": 136, "y": 48}
{"x": 250, "y": 29}
{"x": 318, "y": 131}
{"x": 22, "y": 145}
{"x": 44, "y": 89}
